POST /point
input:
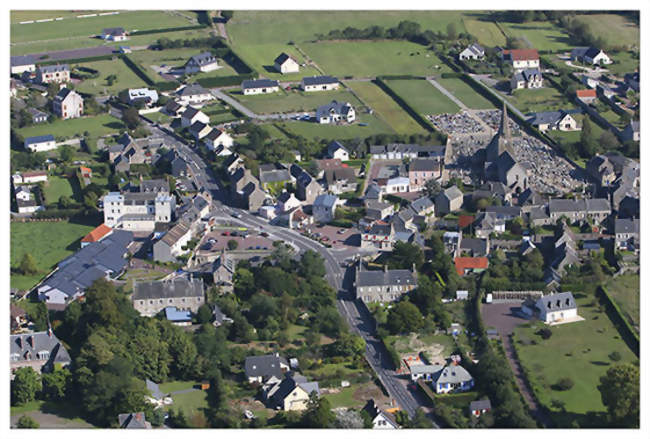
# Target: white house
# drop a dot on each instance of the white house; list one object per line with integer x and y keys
{"x": 553, "y": 120}
{"x": 40, "y": 143}
{"x": 216, "y": 138}
{"x": 203, "y": 62}
{"x": 192, "y": 115}
{"x": 397, "y": 184}
{"x": 554, "y": 309}
{"x": 53, "y": 74}
{"x": 521, "y": 59}
{"x": 324, "y": 208}
{"x": 319, "y": 83}
{"x": 259, "y": 86}
{"x": 590, "y": 55}
{"x": 287, "y": 201}
{"x": 337, "y": 151}
{"x": 527, "y": 78}
{"x": 143, "y": 94}
{"x": 29, "y": 177}
{"x": 22, "y": 63}
{"x": 193, "y": 94}
{"x": 335, "y": 112}
{"x": 453, "y": 378}
{"x": 473, "y": 51}
{"x": 286, "y": 64}
{"x": 114, "y": 34}
{"x": 68, "y": 104}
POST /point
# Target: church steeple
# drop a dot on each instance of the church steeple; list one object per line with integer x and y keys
{"x": 504, "y": 129}
{"x": 501, "y": 141}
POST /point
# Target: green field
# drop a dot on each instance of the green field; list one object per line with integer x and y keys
{"x": 466, "y": 94}
{"x": 624, "y": 62}
{"x": 423, "y": 96}
{"x": 56, "y": 187}
{"x": 386, "y": 108}
{"x": 540, "y": 35}
{"x": 260, "y": 56}
{"x": 99, "y": 86}
{"x": 529, "y": 100}
{"x": 625, "y": 290}
{"x": 373, "y": 58}
{"x": 486, "y": 32}
{"x": 175, "y": 58}
{"x": 173, "y": 386}
{"x": 190, "y": 402}
{"x": 615, "y": 29}
{"x": 97, "y": 126}
{"x": 47, "y": 242}
{"x": 578, "y": 351}
{"x": 294, "y": 100}
{"x": 312, "y": 130}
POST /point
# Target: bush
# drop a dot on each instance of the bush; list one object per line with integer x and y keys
{"x": 545, "y": 333}
{"x": 563, "y": 384}
{"x": 26, "y": 422}
{"x": 615, "y": 356}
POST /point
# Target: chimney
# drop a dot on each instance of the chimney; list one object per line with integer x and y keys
{"x": 385, "y": 268}
{"x": 30, "y": 339}
{"x": 19, "y": 340}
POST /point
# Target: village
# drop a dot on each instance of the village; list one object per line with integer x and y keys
{"x": 248, "y": 235}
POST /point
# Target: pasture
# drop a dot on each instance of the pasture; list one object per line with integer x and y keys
{"x": 615, "y": 29}
{"x": 540, "y": 35}
{"x": 96, "y": 126}
{"x": 578, "y": 351}
{"x": 466, "y": 94}
{"x": 423, "y": 96}
{"x": 293, "y": 100}
{"x": 386, "y": 108}
{"x": 47, "y": 242}
{"x": 260, "y": 56}
{"x": 374, "y": 58}
{"x": 486, "y": 32}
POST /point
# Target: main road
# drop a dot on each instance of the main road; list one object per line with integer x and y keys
{"x": 355, "y": 313}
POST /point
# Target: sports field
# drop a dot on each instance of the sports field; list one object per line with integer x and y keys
{"x": 487, "y": 33}
{"x": 95, "y": 125}
{"x": 374, "y": 58}
{"x": 47, "y": 242}
{"x": 615, "y": 29}
{"x": 99, "y": 86}
{"x": 386, "y": 108}
{"x": 293, "y": 100}
{"x": 541, "y": 35}
{"x": 423, "y": 96}
{"x": 466, "y": 94}
{"x": 579, "y": 351}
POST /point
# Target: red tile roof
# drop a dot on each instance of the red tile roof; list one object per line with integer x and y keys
{"x": 34, "y": 174}
{"x": 586, "y": 93}
{"x": 462, "y": 263}
{"x": 521, "y": 54}
{"x": 465, "y": 220}
{"x": 98, "y": 233}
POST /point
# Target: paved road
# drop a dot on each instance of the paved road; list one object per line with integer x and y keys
{"x": 247, "y": 112}
{"x": 499, "y": 96}
{"x": 447, "y": 93}
{"x": 355, "y": 313}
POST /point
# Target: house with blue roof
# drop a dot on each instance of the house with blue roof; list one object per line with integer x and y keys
{"x": 179, "y": 317}
{"x": 40, "y": 143}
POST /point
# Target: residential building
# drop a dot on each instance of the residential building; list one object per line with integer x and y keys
{"x": 425, "y": 372}
{"x": 424, "y": 210}
{"x": 475, "y": 247}
{"x": 596, "y": 209}
{"x": 199, "y": 130}
{"x": 381, "y": 419}
{"x": 601, "y": 169}
{"x": 422, "y": 170}
{"x": 335, "y": 113}
{"x": 37, "y": 115}
{"x": 307, "y": 188}
{"x": 586, "y": 95}
{"x": 378, "y": 210}
{"x": 203, "y": 62}
{"x": 488, "y": 223}
{"x": 138, "y": 211}
{"x": 274, "y": 175}
{"x": 399, "y": 151}
{"x": 29, "y": 177}
{"x": 553, "y": 120}
{"x": 41, "y": 351}
{"x": 114, "y": 34}
{"x": 474, "y": 52}
{"x": 57, "y": 73}
{"x": 324, "y": 208}
{"x": 259, "y": 86}
{"x": 466, "y": 265}
{"x": 133, "y": 421}
{"x": 319, "y": 83}
{"x": 554, "y": 308}
{"x": 151, "y": 297}
{"x": 590, "y": 55}
{"x": 379, "y": 235}
{"x": 383, "y": 285}
{"x": 218, "y": 138}
{"x": 286, "y": 64}
{"x": 25, "y": 200}
{"x": 626, "y": 232}
{"x": 521, "y": 59}
{"x": 191, "y": 115}
{"x": 632, "y": 131}
{"x": 478, "y": 408}
{"x": 395, "y": 185}
{"x": 68, "y": 104}
{"x": 291, "y": 393}
{"x": 145, "y": 95}
{"x": 95, "y": 235}
{"x": 173, "y": 243}
{"x": 103, "y": 259}
{"x": 341, "y": 180}
{"x": 337, "y": 151}
{"x": 193, "y": 94}
{"x": 259, "y": 369}
{"x": 223, "y": 272}
{"x": 22, "y": 63}
{"x": 173, "y": 108}
{"x": 287, "y": 201}
{"x": 453, "y": 378}
{"x": 632, "y": 79}
{"x": 526, "y": 78}
{"x": 449, "y": 200}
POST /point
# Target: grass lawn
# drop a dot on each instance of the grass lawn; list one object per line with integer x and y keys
{"x": 313, "y": 130}
{"x": 190, "y": 402}
{"x": 423, "y": 96}
{"x": 386, "y": 108}
{"x": 261, "y": 54}
{"x": 578, "y": 351}
{"x": 159, "y": 117}
{"x": 176, "y": 58}
{"x": 541, "y": 35}
{"x": 464, "y": 93}
{"x": 96, "y": 125}
{"x": 173, "y": 386}
{"x": 625, "y": 290}
{"x": 374, "y": 58}
{"x": 294, "y": 100}
{"x": 574, "y": 136}
{"x": 57, "y": 415}
{"x": 615, "y": 29}
{"x": 624, "y": 62}
{"x": 56, "y": 187}
{"x": 487, "y": 33}
{"x": 47, "y": 242}
{"x": 529, "y": 100}
{"x": 273, "y": 131}
{"x": 125, "y": 78}
{"x": 344, "y": 398}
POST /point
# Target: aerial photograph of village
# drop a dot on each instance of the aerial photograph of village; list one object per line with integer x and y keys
{"x": 388, "y": 219}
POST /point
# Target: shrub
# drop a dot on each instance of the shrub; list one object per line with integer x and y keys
{"x": 563, "y": 384}
{"x": 615, "y": 356}
{"x": 545, "y": 333}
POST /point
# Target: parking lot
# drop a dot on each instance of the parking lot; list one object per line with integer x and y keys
{"x": 502, "y": 316}
{"x": 336, "y": 236}
{"x": 218, "y": 240}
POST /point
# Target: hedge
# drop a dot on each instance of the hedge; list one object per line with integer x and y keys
{"x": 451, "y": 75}
{"x": 341, "y": 223}
{"x": 392, "y": 353}
{"x": 396, "y": 77}
{"x": 137, "y": 70}
{"x": 80, "y": 60}
{"x": 405, "y": 106}
{"x": 627, "y": 331}
{"x": 169, "y": 29}
{"x": 166, "y": 85}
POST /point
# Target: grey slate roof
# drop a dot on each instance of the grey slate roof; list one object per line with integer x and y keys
{"x": 546, "y": 117}
{"x": 627, "y": 226}
{"x": 54, "y": 68}
{"x": 192, "y": 90}
{"x": 506, "y": 211}
{"x": 204, "y": 58}
{"x": 22, "y": 60}
{"x": 258, "y": 83}
{"x": 477, "y": 247}
{"x": 164, "y": 289}
{"x": 453, "y": 374}
{"x": 325, "y": 200}
{"x": 282, "y": 58}
{"x": 483, "y": 404}
{"x": 265, "y": 366}
{"x": 452, "y": 192}
{"x": 342, "y": 108}
{"x": 333, "y": 146}
{"x": 421, "y": 204}
{"x": 21, "y": 345}
{"x": 114, "y": 31}
{"x": 422, "y": 165}
{"x": 527, "y": 75}
{"x": 319, "y": 80}
{"x": 132, "y": 420}
{"x": 376, "y": 278}
{"x": 430, "y": 150}
{"x": 558, "y": 301}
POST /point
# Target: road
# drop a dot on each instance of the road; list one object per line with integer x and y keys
{"x": 447, "y": 93}
{"x": 247, "y": 112}
{"x": 354, "y": 313}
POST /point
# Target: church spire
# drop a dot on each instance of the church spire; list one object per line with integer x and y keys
{"x": 504, "y": 129}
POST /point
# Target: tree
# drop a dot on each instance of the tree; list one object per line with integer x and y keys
{"x": 227, "y": 15}
{"x": 232, "y": 244}
{"x": 27, "y": 422}
{"x": 608, "y": 140}
{"x": 25, "y": 385}
{"x": 404, "y": 317}
{"x": 55, "y": 384}
{"x": 66, "y": 153}
{"x": 131, "y": 118}
{"x": 563, "y": 384}
{"x": 64, "y": 202}
{"x": 420, "y": 420}
{"x": 406, "y": 255}
{"x": 431, "y": 188}
{"x": 110, "y": 80}
{"x": 39, "y": 316}
{"x": 318, "y": 414}
{"x": 28, "y": 265}
{"x": 204, "y": 314}
{"x": 619, "y": 391}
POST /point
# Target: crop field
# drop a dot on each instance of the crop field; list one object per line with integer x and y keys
{"x": 625, "y": 290}
{"x": 126, "y": 78}
{"x": 466, "y": 94}
{"x": 540, "y": 35}
{"x": 386, "y": 108}
{"x": 312, "y": 130}
{"x": 615, "y": 29}
{"x": 293, "y": 100}
{"x": 487, "y": 33}
{"x": 374, "y": 58}
{"x": 423, "y": 96}
{"x": 538, "y": 99}
{"x": 580, "y": 352}
{"x": 260, "y": 56}
{"x": 96, "y": 126}
{"x": 47, "y": 242}
{"x": 302, "y": 26}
